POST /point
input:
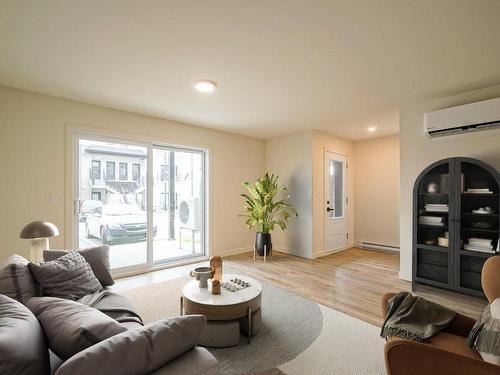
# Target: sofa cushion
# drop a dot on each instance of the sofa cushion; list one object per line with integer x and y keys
{"x": 16, "y": 280}
{"x": 71, "y": 327}
{"x": 22, "y": 344}
{"x": 97, "y": 258}
{"x": 69, "y": 276}
{"x": 198, "y": 361}
{"x": 138, "y": 351}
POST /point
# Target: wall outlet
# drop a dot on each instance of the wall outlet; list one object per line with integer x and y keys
{"x": 50, "y": 199}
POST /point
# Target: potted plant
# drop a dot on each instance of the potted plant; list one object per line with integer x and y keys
{"x": 265, "y": 209}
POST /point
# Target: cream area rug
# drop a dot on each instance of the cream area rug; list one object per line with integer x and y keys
{"x": 298, "y": 337}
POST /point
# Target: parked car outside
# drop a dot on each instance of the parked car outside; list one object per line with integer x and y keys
{"x": 118, "y": 223}
{"x": 87, "y": 206}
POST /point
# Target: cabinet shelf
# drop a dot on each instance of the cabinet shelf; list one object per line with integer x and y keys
{"x": 472, "y": 214}
{"x": 470, "y": 229}
{"x": 478, "y": 254}
{"x": 433, "y": 247}
{"x": 453, "y": 267}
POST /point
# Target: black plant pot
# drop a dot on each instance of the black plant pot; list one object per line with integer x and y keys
{"x": 261, "y": 240}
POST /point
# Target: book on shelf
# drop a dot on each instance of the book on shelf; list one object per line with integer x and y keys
{"x": 433, "y": 207}
{"x": 478, "y": 249}
{"x": 431, "y": 220}
{"x": 479, "y": 191}
{"x": 480, "y": 244}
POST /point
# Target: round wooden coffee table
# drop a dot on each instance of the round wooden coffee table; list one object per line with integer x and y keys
{"x": 225, "y": 306}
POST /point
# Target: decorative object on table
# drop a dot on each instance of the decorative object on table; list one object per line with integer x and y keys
{"x": 235, "y": 284}
{"x": 216, "y": 264}
{"x": 216, "y": 286}
{"x": 265, "y": 209}
{"x": 39, "y": 232}
{"x": 432, "y": 188}
{"x": 202, "y": 274}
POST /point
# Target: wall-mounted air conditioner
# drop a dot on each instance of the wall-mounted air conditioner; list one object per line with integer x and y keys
{"x": 463, "y": 119}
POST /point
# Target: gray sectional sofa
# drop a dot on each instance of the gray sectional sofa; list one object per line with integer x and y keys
{"x": 166, "y": 347}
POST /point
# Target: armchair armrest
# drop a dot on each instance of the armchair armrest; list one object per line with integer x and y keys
{"x": 460, "y": 326}
{"x": 404, "y": 357}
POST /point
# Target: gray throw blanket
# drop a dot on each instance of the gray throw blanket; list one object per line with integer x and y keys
{"x": 414, "y": 318}
{"x": 114, "y": 305}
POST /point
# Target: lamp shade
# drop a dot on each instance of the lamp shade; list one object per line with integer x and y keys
{"x": 39, "y": 229}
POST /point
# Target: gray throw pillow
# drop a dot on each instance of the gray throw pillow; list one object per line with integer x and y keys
{"x": 139, "y": 351}
{"x": 22, "y": 344}
{"x": 69, "y": 276}
{"x": 16, "y": 280}
{"x": 97, "y": 257}
{"x": 71, "y": 327}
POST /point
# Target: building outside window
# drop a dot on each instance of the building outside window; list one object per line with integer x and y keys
{"x": 123, "y": 171}
{"x": 96, "y": 169}
{"x": 110, "y": 170}
{"x": 136, "y": 172}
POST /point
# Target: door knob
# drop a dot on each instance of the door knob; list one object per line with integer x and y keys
{"x": 328, "y": 209}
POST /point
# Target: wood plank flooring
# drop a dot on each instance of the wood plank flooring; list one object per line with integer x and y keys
{"x": 351, "y": 281}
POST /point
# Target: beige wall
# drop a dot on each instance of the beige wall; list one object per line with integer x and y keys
{"x": 290, "y": 158}
{"x": 417, "y": 152}
{"x": 322, "y": 142}
{"x": 376, "y": 188}
{"x": 33, "y": 164}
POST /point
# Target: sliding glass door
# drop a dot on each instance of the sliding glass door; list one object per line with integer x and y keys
{"x": 113, "y": 181}
{"x": 178, "y": 203}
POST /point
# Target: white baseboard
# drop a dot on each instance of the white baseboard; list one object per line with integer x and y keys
{"x": 234, "y": 251}
{"x": 404, "y": 276}
{"x": 375, "y": 246}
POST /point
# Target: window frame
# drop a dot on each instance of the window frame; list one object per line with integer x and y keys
{"x": 75, "y": 133}
{"x": 108, "y": 163}
{"x": 120, "y": 165}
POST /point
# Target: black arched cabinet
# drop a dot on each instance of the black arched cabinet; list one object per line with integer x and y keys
{"x": 455, "y": 223}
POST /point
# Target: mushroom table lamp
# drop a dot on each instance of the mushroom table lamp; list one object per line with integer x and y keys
{"x": 39, "y": 233}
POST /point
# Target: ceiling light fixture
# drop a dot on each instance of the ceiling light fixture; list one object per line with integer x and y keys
{"x": 372, "y": 129}
{"x": 205, "y": 86}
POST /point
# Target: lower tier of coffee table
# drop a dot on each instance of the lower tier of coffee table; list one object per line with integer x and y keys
{"x": 224, "y": 322}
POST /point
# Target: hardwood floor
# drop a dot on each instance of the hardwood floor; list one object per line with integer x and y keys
{"x": 351, "y": 281}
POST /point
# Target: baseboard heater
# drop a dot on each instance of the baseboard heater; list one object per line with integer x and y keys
{"x": 376, "y": 246}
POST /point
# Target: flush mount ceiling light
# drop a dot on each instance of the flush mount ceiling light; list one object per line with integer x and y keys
{"x": 205, "y": 86}
{"x": 372, "y": 129}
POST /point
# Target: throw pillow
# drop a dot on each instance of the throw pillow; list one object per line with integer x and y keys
{"x": 16, "y": 280}
{"x": 138, "y": 351}
{"x": 22, "y": 343}
{"x": 485, "y": 335}
{"x": 97, "y": 257}
{"x": 69, "y": 276}
{"x": 71, "y": 327}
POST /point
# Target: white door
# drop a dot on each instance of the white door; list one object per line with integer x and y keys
{"x": 335, "y": 202}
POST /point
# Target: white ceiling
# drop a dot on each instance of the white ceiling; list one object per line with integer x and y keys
{"x": 281, "y": 65}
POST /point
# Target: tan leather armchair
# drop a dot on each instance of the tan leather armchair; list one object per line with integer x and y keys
{"x": 445, "y": 353}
